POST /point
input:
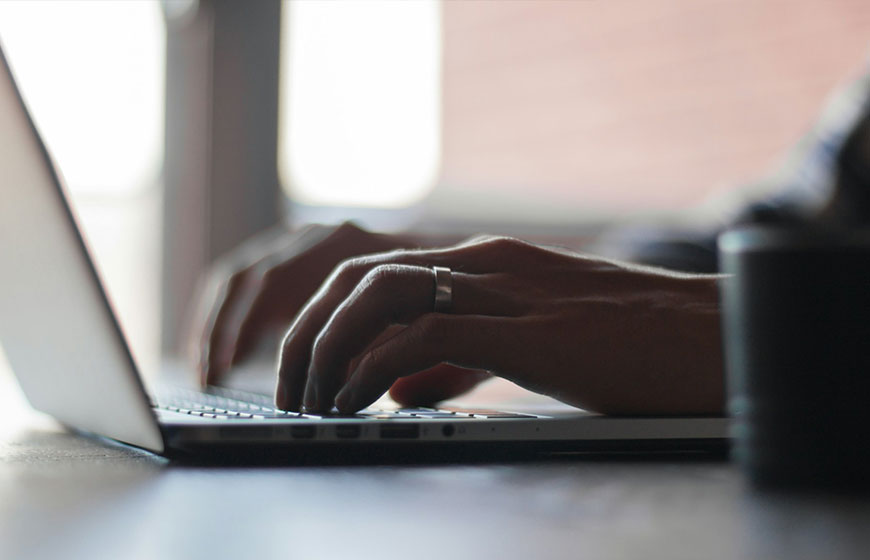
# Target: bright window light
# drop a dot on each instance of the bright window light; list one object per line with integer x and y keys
{"x": 360, "y": 114}
{"x": 93, "y": 75}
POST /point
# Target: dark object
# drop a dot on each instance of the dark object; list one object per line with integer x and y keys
{"x": 796, "y": 326}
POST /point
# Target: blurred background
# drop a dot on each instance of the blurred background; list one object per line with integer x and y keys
{"x": 183, "y": 127}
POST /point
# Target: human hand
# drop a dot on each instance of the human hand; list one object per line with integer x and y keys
{"x": 596, "y": 334}
{"x": 258, "y": 289}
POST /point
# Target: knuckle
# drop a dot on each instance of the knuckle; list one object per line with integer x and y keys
{"x": 372, "y": 358}
{"x": 343, "y": 233}
{"x": 270, "y": 276}
{"x": 348, "y": 227}
{"x": 226, "y": 266}
{"x": 319, "y": 347}
{"x": 284, "y": 356}
{"x": 237, "y": 279}
{"x": 502, "y": 248}
{"x": 479, "y": 238}
{"x": 382, "y": 275}
{"x": 287, "y": 341}
{"x": 428, "y": 326}
{"x": 490, "y": 244}
{"x": 505, "y": 243}
{"x": 343, "y": 268}
{"x": 347, "y": 271}
{"x": 430, "y": 335}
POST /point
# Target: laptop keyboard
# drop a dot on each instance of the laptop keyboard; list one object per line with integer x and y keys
{"x": 229, "y": 404}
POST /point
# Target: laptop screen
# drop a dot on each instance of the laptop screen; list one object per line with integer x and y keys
{"x": 56, "y": 326}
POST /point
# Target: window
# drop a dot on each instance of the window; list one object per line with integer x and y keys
{"x": 481, "y": 113}
{"x": 92, "y": 74}
{"x": 553, "y": 111}
{"x": 361, "y": 101}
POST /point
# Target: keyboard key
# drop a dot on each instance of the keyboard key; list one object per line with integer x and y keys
{"x": 279, "y": 415}
{"x": 436, "y": 415}
{"x": 508, "y": 415}
{"x": 228, "y": 404}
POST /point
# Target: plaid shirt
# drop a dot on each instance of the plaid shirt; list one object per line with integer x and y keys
{"x": 824, "y": 176}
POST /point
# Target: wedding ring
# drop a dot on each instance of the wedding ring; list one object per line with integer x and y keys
{"x": 443, "y": 289}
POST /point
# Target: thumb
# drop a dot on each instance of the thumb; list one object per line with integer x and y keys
{"x": 436, "y": 384}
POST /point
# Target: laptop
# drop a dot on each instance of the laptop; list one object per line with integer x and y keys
{"x": 63, "y": 342}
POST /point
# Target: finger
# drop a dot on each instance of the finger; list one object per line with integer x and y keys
{"x": 225, "y": 279}
{"x": 478, "y": 257}
{"x": 218, "y": 336}
{"x": 199, "y": 321}
{"x": 472, "y": 342}
{"x": 276, "y": 301}
{"x": 263, "y": 317}
{"x": 436, "y": 384}
{"x": 388, "y": 333}
{"x": 388, "y": 295}
{"x": 295, "y": 354}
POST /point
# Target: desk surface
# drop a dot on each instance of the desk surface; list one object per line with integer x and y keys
{"x": 65, "y": 496}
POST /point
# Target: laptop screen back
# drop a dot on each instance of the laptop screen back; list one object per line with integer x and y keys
{"x": 56, "y": 326}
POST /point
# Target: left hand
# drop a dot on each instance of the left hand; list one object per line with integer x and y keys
{"x": 596, "y": 334}
{"x": 258, "y": 288}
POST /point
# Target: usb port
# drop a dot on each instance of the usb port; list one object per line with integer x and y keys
{"x": 399, "y": 431}
{"x": 347, "y": 432}
{"x": 302, "y": 432}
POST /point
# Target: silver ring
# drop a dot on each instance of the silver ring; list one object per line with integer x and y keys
{"x": 443, "y": 289}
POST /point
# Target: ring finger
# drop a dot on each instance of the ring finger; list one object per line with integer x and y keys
{"x": 387, "y": 295}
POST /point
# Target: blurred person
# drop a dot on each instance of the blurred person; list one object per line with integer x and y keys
{"x": 636, "y": 335}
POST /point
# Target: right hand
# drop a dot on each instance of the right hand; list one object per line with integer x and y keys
{"x": 257, "y": 290}
{"x": 597, "y": 334}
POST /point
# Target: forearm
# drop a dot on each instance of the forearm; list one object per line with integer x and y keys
{"x": 673, "y": 359}
{"x": 696, "y": 381}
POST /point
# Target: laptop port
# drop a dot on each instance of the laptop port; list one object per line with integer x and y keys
{"x": 347, "y": 432}
{"x": 247, "y": 433}
{"x": 399, "y": 431}
{"x": 448, "y": 430}
{"x": 302, "y": 432}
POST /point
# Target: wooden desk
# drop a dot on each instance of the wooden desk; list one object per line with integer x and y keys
{"x": 64, "y": 496}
